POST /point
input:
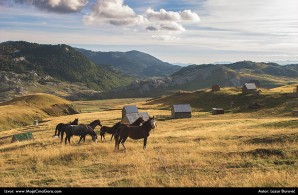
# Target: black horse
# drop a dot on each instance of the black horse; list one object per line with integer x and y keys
{"x": 62, "y": 126}
{"x": 112, "y": 130}
{"x": 92, "y": 125}
{"x": 134, "y": 132}
{"x": 81, "y": 130}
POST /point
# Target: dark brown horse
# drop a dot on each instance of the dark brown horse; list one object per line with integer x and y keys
{"x": 62, "y": 126}
{"x": 81, "y": 130}
{"x": 134, "y": 132}
{"x": 112, "y": 130}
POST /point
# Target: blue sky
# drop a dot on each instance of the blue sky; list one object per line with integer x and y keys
{"x": 185, "y": 31}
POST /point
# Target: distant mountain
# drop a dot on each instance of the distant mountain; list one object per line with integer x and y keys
{"x": 61, "y": 62}
{"x": 196, "y": 77}
{"x": 132, "y": 62}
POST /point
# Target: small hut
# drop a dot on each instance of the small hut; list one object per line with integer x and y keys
{"x": 216, "y": 111}
{"x": 249, "y": 88}
{"x": 215, "y": 88}
{"x": 132, "y": 117}
{"x": 129, "y": 110}
{"x": 181, "y": 111}
{"x": 35, "y": 122}
{"x": 21, "y": 137}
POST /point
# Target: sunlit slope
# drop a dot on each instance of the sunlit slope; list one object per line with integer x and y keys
{"x": 24, "y": 110}
{"x": 273, "y": 101}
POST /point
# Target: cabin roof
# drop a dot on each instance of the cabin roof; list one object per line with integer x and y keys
{"x": 215, "y": 109}
{"x": 130, "y": 109}
{"x": 182, "y": 108}
{"x": 250, "y": 86}
{"x": 132, "y": 117}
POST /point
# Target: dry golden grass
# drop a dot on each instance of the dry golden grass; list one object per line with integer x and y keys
{"x": 24, "y": 110}
{"x": 232, "y": 150}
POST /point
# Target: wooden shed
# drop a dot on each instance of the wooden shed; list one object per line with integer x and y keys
{"x": 215, "y": 88}
{"x": 21, "y": 137}
{"x": 181, "y": 111}
{"x": 216, "y": 111}
{"x": 249, "y": 88}
{"x": 132, "y": 117}
{"x": 129, "y": 110}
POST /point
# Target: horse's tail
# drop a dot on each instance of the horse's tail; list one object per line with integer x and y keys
{"x": 56, "y": 129}
{"x": 117, "y": 136}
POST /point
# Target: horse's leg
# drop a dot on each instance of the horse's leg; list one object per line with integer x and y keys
{"x": 65, "y": 139}
{"x": 81, "y": 137}
{"x": 122, "y": 142}
{"x": 145, "y": 143}
{"x": 69, "y": 139}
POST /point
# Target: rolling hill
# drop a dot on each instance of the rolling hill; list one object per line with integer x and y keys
{"x": 132, "y": 62}
{"x": 276, "y": 101}
{"x": 24, "y": 110}
{"x": 61, "y": 62}
{"x": 195, "y": 77}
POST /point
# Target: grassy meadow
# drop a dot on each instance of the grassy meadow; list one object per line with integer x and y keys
{"x": 238, "y": 149}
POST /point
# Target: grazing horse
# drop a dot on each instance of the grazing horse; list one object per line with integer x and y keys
{"x": 69, "y": 130}
{"x": 134, "y": 132}
{"x": 92, "y": 125}
{"x": 112, "y": 130}
{"x": 62, "y": 126}
{"x": 81, "y": 130}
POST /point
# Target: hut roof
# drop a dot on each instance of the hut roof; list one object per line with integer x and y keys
{"x": 217, "y": 109}
{"x": 182, "y": 108}
{"x": 132, "y": 117}
{"x": 250, "y": 86}
{"x": 130, "y": 109}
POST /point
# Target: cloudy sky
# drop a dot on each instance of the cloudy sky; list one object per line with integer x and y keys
{"x": 184, "y": 31}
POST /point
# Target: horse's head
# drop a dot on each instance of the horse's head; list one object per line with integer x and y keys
{"x": 75, "y": 122}
{"x": 152, "y": 122}
{"x": 97, "y": 122}
{"x": 94, "y": 137}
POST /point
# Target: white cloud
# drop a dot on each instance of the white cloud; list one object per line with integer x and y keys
{"x": 58, "y": 6}
{"x": 188, "y": 15}
{"x": 113, "y": 12}
{"x": 172, "y": 26}
{"x": 165, "y": 37}
{"x": 170, "y": 21}
{"x": 163, "y": 15}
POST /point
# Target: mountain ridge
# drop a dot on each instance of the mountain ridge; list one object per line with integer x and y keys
{"x": 132, "y": 62}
